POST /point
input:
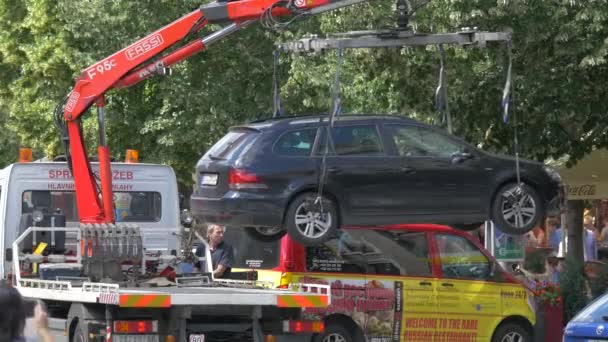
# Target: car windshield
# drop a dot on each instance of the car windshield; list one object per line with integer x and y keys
{"x": 265, "y": 255}
{"x": 596, "y": 312}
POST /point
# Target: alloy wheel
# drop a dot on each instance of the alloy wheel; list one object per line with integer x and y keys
{"x": 518, "y": 207}
{"x": 334, "y": 338}
{"x": 513, "y": 336}
{"x": 312, "y": 221}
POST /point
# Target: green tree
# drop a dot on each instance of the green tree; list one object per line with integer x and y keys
{"x": 559, "y": 64}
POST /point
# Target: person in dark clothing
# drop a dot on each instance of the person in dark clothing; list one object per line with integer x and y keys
{"x": 13, "y": 317}
{"x": 222, "y": 254}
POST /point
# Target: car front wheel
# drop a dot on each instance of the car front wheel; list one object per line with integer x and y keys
{"x": 516, "y": 209}
{"x": 311, "y": 221}
{"x": 265, "y": 234}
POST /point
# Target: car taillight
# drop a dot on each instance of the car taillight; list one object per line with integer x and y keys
{"x": 303, "y": 326}
{"x": 240, "y": 179}
{"x": 135, "y": 327}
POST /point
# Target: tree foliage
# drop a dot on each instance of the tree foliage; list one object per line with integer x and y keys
{"x": 559, "y": 55}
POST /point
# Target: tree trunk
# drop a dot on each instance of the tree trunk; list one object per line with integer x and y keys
{"x": 574, "y": 224}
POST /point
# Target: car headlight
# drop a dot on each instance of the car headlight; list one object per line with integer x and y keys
{"x": 553, "y": 174}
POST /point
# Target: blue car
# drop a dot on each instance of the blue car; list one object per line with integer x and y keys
{"x": 591, "y": 324}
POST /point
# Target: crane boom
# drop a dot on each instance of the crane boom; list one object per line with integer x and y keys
{"x": 134, "y": 64}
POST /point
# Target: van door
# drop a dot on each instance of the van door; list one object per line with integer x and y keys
{"x": 400, "y": 290}
{"x": 469, "y": 302}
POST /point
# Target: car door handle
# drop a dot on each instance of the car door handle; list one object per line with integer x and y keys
{"x": 334, "y": 170}
{"x": 425, "y": 283}
{"x": 447, "y": 284}
{"x": 407, "y": 169}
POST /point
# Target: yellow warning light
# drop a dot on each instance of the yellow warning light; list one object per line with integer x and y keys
{"x": 132, "y": 156}
{"x": 25, "y": 155}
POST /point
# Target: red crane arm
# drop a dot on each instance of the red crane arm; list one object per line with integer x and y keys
{"x": 120, "y": 70}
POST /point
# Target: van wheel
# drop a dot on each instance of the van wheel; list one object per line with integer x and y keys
{"x": 511, "y": 332}
{"x": 517, "y": 209}
{"x": 334, "y": 333}
{"x": 265, "y": 234}
{"x": 310, "y": 222}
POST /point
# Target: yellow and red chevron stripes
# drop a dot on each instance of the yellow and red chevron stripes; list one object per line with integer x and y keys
{"x": 302, "y": 301}
{"x": 145, "y": 301}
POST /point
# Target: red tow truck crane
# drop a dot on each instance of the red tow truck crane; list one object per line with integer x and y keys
{"x": 89, "y": 293}
{"x": 128, "y": 67}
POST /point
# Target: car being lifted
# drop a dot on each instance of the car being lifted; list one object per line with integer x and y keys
{"x": 378, "y": 170}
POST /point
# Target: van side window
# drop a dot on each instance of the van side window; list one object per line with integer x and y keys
{"x": 345, "y": 254}
{"x": 395, "y": 252}
{"x": 296, "y": 143}
{"x": 461, "y": 259}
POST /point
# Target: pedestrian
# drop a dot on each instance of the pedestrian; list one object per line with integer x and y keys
{"x": 222, "y": 253}
{"x": 603, "y": 240}
{"x": 13, "y": 317}
{"x": 590, "y": 237}
{"x": 554, "y": 233}
{"x": 553, "y": 268}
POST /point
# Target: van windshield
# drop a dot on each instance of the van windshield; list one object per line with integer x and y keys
{"x": 250, "y": 253}
{"x": 129, "y": 206}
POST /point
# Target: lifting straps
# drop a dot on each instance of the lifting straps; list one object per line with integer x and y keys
{"x": 276, "y": 89}
{"x": 335, "y": 110}
{"x": 441, "y": 93}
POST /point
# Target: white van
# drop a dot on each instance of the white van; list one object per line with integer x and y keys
{"x": 144, "y": 194}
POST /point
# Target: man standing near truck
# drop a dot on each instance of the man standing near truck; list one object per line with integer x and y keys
{"x": 222, "y": 254}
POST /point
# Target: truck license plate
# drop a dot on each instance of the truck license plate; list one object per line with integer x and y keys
{"x": 197, "y": 338}
{"x": 209, "y": 179}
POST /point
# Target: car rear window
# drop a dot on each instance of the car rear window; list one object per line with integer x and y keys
{"x": 249, "y": 253}
{"x": 226, "y": 146}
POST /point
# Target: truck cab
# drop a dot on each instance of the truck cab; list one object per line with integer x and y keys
{"x": 144, "y": 194}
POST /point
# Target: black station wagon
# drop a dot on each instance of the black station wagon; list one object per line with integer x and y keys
{"x": 373, "y": 170}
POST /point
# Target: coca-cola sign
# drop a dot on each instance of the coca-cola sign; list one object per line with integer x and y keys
{"x": 582, "y": 190}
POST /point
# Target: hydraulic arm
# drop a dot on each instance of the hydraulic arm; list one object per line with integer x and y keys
{"x": 142, "y": 60}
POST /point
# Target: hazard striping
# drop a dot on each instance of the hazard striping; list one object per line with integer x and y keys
{"x": 109, "y": 298}
{"x": 145, "y": 301}
{"x": 302, "y": 301}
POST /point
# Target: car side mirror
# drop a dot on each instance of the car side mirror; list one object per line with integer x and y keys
{"x": 8, "y": 255}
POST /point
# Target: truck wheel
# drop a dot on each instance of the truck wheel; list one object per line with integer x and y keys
{"x": 517, "y": 209}
{"x": 334, "y": 333}
{"x": 265, "y": 234}
{"x": 511, "y": 332}
{"x": 310, "y": 222}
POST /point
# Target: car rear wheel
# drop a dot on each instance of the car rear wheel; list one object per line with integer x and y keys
{"x": 310, "y": 221}
{"x": 265, "y": 234}
{"x": 516, "y": 209}
{"x": 511, "y": 332}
